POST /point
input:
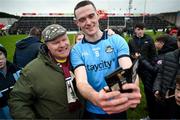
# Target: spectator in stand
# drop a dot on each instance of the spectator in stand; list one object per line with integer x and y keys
{"x": 9, "y": 73}
{"x": 28, "y": 48}
{"x": 95, "y": 56}
{"x": 142, "y": 46}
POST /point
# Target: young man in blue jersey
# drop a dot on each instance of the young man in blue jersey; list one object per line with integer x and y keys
{"x": 95, "y": 56}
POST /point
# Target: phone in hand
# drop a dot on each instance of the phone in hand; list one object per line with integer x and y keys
{"x": 117, "y": 78}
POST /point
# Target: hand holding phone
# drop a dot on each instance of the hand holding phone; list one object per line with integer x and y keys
{"x": 117, "y": 78}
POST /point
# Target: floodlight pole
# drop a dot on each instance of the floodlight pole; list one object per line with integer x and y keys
{"x": 144, "y": 11}
{"x": 129, "y": 14}
{"x": 130, "y": 7}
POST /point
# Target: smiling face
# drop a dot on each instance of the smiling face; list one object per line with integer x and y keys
{"x": 139, "y": 32}
{"x": 87, "y": 19}
{"x": 60, "y": 47}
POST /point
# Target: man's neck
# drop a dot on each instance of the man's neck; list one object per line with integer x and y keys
{"x": 94, "y": 37}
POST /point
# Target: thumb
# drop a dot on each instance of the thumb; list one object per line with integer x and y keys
{"x": 106, "y": 89}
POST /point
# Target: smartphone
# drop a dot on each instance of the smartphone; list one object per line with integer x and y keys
{"x": 117, "y": 78}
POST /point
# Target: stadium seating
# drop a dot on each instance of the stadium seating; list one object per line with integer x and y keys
{"x": 24, "y": 24}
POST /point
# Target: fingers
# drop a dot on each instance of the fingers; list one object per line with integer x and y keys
{"x": 134, "y": 97}
{"x": 156, "y": 94}
{"x": 132, "y": 86}
{"x": 106, "y": 94}
{"x": 135, "y": 94}
{"x": 117, "y": 108}
{"x": 115, "y": 101}
{"x": 112, "y": 102}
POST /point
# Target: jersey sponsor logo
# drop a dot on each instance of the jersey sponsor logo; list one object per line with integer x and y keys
{"x": 109, "y": 49}
{"x": 100, "y": 66}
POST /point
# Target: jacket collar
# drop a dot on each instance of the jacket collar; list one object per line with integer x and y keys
{"x": 47, "y": 58}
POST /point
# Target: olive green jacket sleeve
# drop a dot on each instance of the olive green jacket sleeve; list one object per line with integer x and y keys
{"x": 21, "y": 98}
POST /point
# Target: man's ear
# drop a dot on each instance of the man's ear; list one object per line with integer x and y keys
{"x": 98, "y": 15}
{"x": 75, "y": 21}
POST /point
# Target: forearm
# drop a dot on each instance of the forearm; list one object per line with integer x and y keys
{"x": 88, "y": 92}
{"x": 125, "y": 62}
{"x": 83, "y": 86}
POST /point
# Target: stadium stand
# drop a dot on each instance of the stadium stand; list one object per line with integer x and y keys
{"x": 24, "y": 24}
{"x": 7, "y": 20}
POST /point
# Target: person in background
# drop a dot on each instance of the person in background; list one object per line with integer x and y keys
{"x": 27, "y": 49}
{"x": 163, "y": 44}
{"x": 142, "y": 46}
{"x": 177, "y": 93}
{"x": 95, "y": 56}
{"x": 45, "y": 88}
{"x": 9, "y": 73}
{"x": 78, "y": 37}
{"x": 177, "y": 90}
{"x": 164, "y": 85}
{"x": 173, "y": 32}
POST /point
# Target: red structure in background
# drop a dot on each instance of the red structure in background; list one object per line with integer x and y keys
{"x": 1, "y": 26}
{"x": 103, "y": 15}
{"x": 31, "y": 14}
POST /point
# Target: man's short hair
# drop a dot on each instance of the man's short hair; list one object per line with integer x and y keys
{"x": 34, "y": 31}
{"x": 82, "y": 4}
{"x": 139, "y": 25}
{"x": 164, "y": 38}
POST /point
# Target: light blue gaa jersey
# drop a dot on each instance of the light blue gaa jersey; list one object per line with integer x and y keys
{"x": 99, "y": 58}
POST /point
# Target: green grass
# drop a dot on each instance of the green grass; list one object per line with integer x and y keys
{"x": 9, "y": 43}
{"x": 141, "y": 110}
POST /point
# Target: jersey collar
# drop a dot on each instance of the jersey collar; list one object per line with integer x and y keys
{"x": 104, "y": 36}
